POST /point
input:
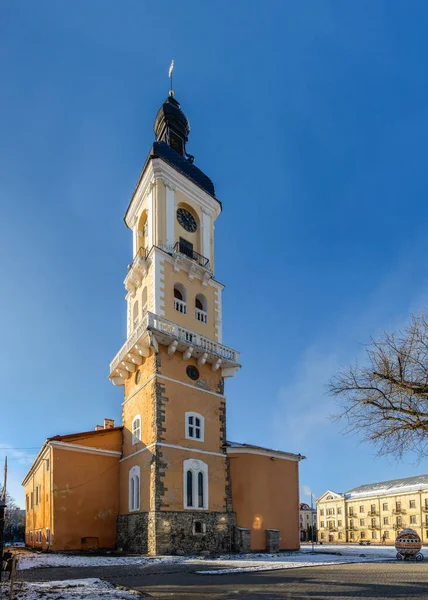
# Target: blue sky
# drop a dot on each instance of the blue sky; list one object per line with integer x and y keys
{"x": 310, "y": 117}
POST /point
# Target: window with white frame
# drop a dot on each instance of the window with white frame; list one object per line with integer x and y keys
{"x": 136, "y": 429}
{"x": 194, "y": 426}
{"x": 195, "y": 484}
{"x": 134, "y": 488}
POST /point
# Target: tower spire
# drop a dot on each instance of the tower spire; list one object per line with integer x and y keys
{"x": 171, "y": 68}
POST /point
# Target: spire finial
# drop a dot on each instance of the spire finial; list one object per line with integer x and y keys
{"x": 171, "y": 68}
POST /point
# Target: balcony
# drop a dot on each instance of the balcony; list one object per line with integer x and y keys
{"x": 136, "y": 271}
{"x": 374, "y": 527}
{"x": 373, "y": 513}
{"x": 153, "y": 330}
{"x": 399, "y": 511}
{"x": 425, "y": 508}
{"x": 180, "y": 306}
{"x": 201, "y": 315}
{"x": 352, "y": 528}
{"x": 188, "y": 252}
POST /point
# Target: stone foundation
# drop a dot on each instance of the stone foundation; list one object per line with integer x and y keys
{"x": 191, "y": 532}
{"x": 272, "y": 540}
{"x": 242, "y": 540}
{"x": 166, "y": 532}
{"x": 132, "y": 533}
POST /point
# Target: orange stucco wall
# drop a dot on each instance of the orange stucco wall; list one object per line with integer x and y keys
{"x": 265, "y": 495}
{"x": 80, "y": 499}
{"x": 194, "y": 396}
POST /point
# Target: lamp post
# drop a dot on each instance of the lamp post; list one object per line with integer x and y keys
{"x": 312, "y": 521}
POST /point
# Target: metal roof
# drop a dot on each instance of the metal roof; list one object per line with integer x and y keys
{"x": 389, "y": 487}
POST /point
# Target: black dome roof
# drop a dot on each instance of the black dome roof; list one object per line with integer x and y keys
{"x": 170, "y": 115}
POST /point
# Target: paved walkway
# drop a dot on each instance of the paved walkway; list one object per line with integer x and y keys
{"x": 371, "y": 581}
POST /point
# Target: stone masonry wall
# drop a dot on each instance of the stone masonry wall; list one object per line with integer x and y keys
{"x": 175, "y": 531}
{"x": 132, "y": 533}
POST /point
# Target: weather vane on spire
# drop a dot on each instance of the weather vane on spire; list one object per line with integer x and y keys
{"x": 171, "y": 68}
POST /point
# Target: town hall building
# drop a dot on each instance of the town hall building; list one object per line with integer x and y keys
{"x": 166, "y": 479}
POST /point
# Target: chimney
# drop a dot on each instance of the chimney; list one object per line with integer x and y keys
{"x": 98, "y": 427}
{"x": 108, "y": 423}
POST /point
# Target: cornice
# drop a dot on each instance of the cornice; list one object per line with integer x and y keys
{"x": 159, "y": 169}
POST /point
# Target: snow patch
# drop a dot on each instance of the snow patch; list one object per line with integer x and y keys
{"x": 69, "y": 589}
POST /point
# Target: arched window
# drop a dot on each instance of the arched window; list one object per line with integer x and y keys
{"x": 136, "y": 429}
{"x": 195, "y": 479}
{"x": 201, "y": 308}
{"x": 142, "y": 240}
{"x": 135, "y": 314}
{"x": 144, "y": 300}
{"x": 200, "y": 490}
{"x": 180, "y": 298}
{"x": 189, "y": 476}
{"x": 134, "y": 488}
{"x": 194, "y": 423}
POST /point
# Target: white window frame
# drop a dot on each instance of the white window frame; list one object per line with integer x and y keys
{"x": 136, "y": 437}
{"x": 201, "y": 428}
{"x": 134, "y": 489}
{"x": 196, "y": 467}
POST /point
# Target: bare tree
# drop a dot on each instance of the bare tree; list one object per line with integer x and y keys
{"x": 387, "y": 399}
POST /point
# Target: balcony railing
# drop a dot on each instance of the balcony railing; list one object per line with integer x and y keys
{"x": 399, "y": 511}
{"x": 201, "y": 315}
{"x": 141, "y": 253}
{"x": 352, "y": 528}
{"x": 167, "y": 332}
{"x": 180, "y": 306}
{"x": 373, "y": 513}
{"x": 202, "y": 261}
{"x": 425, "y": 508}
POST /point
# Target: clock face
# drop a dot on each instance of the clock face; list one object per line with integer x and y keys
{"x": 186, "y": 220}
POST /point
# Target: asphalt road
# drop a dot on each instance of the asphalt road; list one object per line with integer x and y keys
{"x": 406, "y": 581}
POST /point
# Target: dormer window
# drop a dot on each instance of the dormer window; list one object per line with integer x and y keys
{"x": 176, "y": 142}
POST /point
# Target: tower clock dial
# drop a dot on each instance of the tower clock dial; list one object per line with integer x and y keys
{"x": 186, "y": 220}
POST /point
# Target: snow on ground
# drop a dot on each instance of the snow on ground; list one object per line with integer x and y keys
{"x": 354, "y": 549}
{"x": 325, "y": 554}
{"x": 289, "y": 560}
{"x": 38, "y": 560}
{"x": 70, "y": 589}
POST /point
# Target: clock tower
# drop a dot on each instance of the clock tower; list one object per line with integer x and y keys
{"x": 174, "y": 474}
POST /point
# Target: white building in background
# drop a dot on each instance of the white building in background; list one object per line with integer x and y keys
{"x": 308, "y": 521}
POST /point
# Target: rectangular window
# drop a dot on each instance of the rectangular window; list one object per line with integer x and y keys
{"x": 339, "y": 511}
{"x": 373, "y": 522}
{"x": 363, "y": 535}
{"x": 351, "y": 511}
{"x": 339, "y": 523}
{"x": 322, "y": 536}
{"x": 322, "y": 512}
{"x": 412, "y": 503}
{"x": 361, "y": 522}
{"x": 386, "y": 534}
{"x": 399, "y": 521}
{"x": 385, "y": 506}
{"x": 47, "y": 464}
{"x": 27, "y": 501}
{"x": 373, "y": 508}
{"x": 398, "y": 506}
{"x": 351, "y": 523}
{"x": 32, "y": 500}
{"x": 37, "y": 495}
{"x": 352, "y": 535}
{"x": 362, "y": 508}
{"x": 322, "y": 523}
{"x": 340, "y": 535}
{"x": 426, "y": 503}
{"x": 412, "y": 519}
{"x": 374, "y": 535}
{"x": 386, "y": 520}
